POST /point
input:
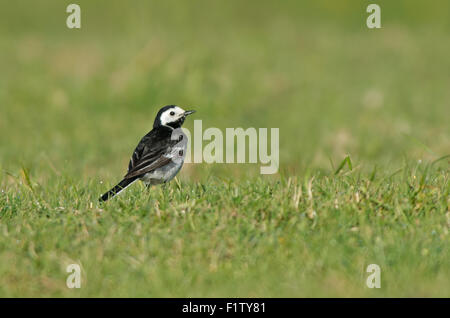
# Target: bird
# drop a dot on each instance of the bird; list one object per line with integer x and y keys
{"x": 159, "y": 155}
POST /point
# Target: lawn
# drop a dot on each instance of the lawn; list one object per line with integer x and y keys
{"x": 74, "y": 103}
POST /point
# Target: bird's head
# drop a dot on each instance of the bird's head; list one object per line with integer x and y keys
{"x": 172, "y": 116}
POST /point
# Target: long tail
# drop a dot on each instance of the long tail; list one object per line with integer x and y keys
{"x": 122, "y": 185}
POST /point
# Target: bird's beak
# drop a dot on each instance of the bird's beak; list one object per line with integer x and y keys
{"x": 188, "y": 112}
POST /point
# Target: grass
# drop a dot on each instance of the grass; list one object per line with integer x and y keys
{"x": 311, "y": 236}
{"x": 363, "y": 117}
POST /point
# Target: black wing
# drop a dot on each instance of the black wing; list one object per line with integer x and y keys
{"x": 150, "y": 153}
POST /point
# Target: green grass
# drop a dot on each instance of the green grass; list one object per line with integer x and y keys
{"x": 311, "y": 236}
{"x": 73, "y": 104}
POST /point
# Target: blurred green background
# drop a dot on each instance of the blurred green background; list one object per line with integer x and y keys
{"x": 74, "y": 103}
{"x": 79, "y": 100}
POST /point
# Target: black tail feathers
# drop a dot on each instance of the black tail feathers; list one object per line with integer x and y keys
{"x": 117, "y": 189}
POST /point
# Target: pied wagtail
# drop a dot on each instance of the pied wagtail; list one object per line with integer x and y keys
{"x": 160, "y": 154}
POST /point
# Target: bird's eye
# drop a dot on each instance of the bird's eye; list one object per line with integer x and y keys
{"x": 172, "y": 113}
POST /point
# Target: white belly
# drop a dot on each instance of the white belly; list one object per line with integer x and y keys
{"x": 170, "y": 170}
{"x": 163, "y": 174}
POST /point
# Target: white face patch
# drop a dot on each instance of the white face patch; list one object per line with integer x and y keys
{"x": 171, "y": 115}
